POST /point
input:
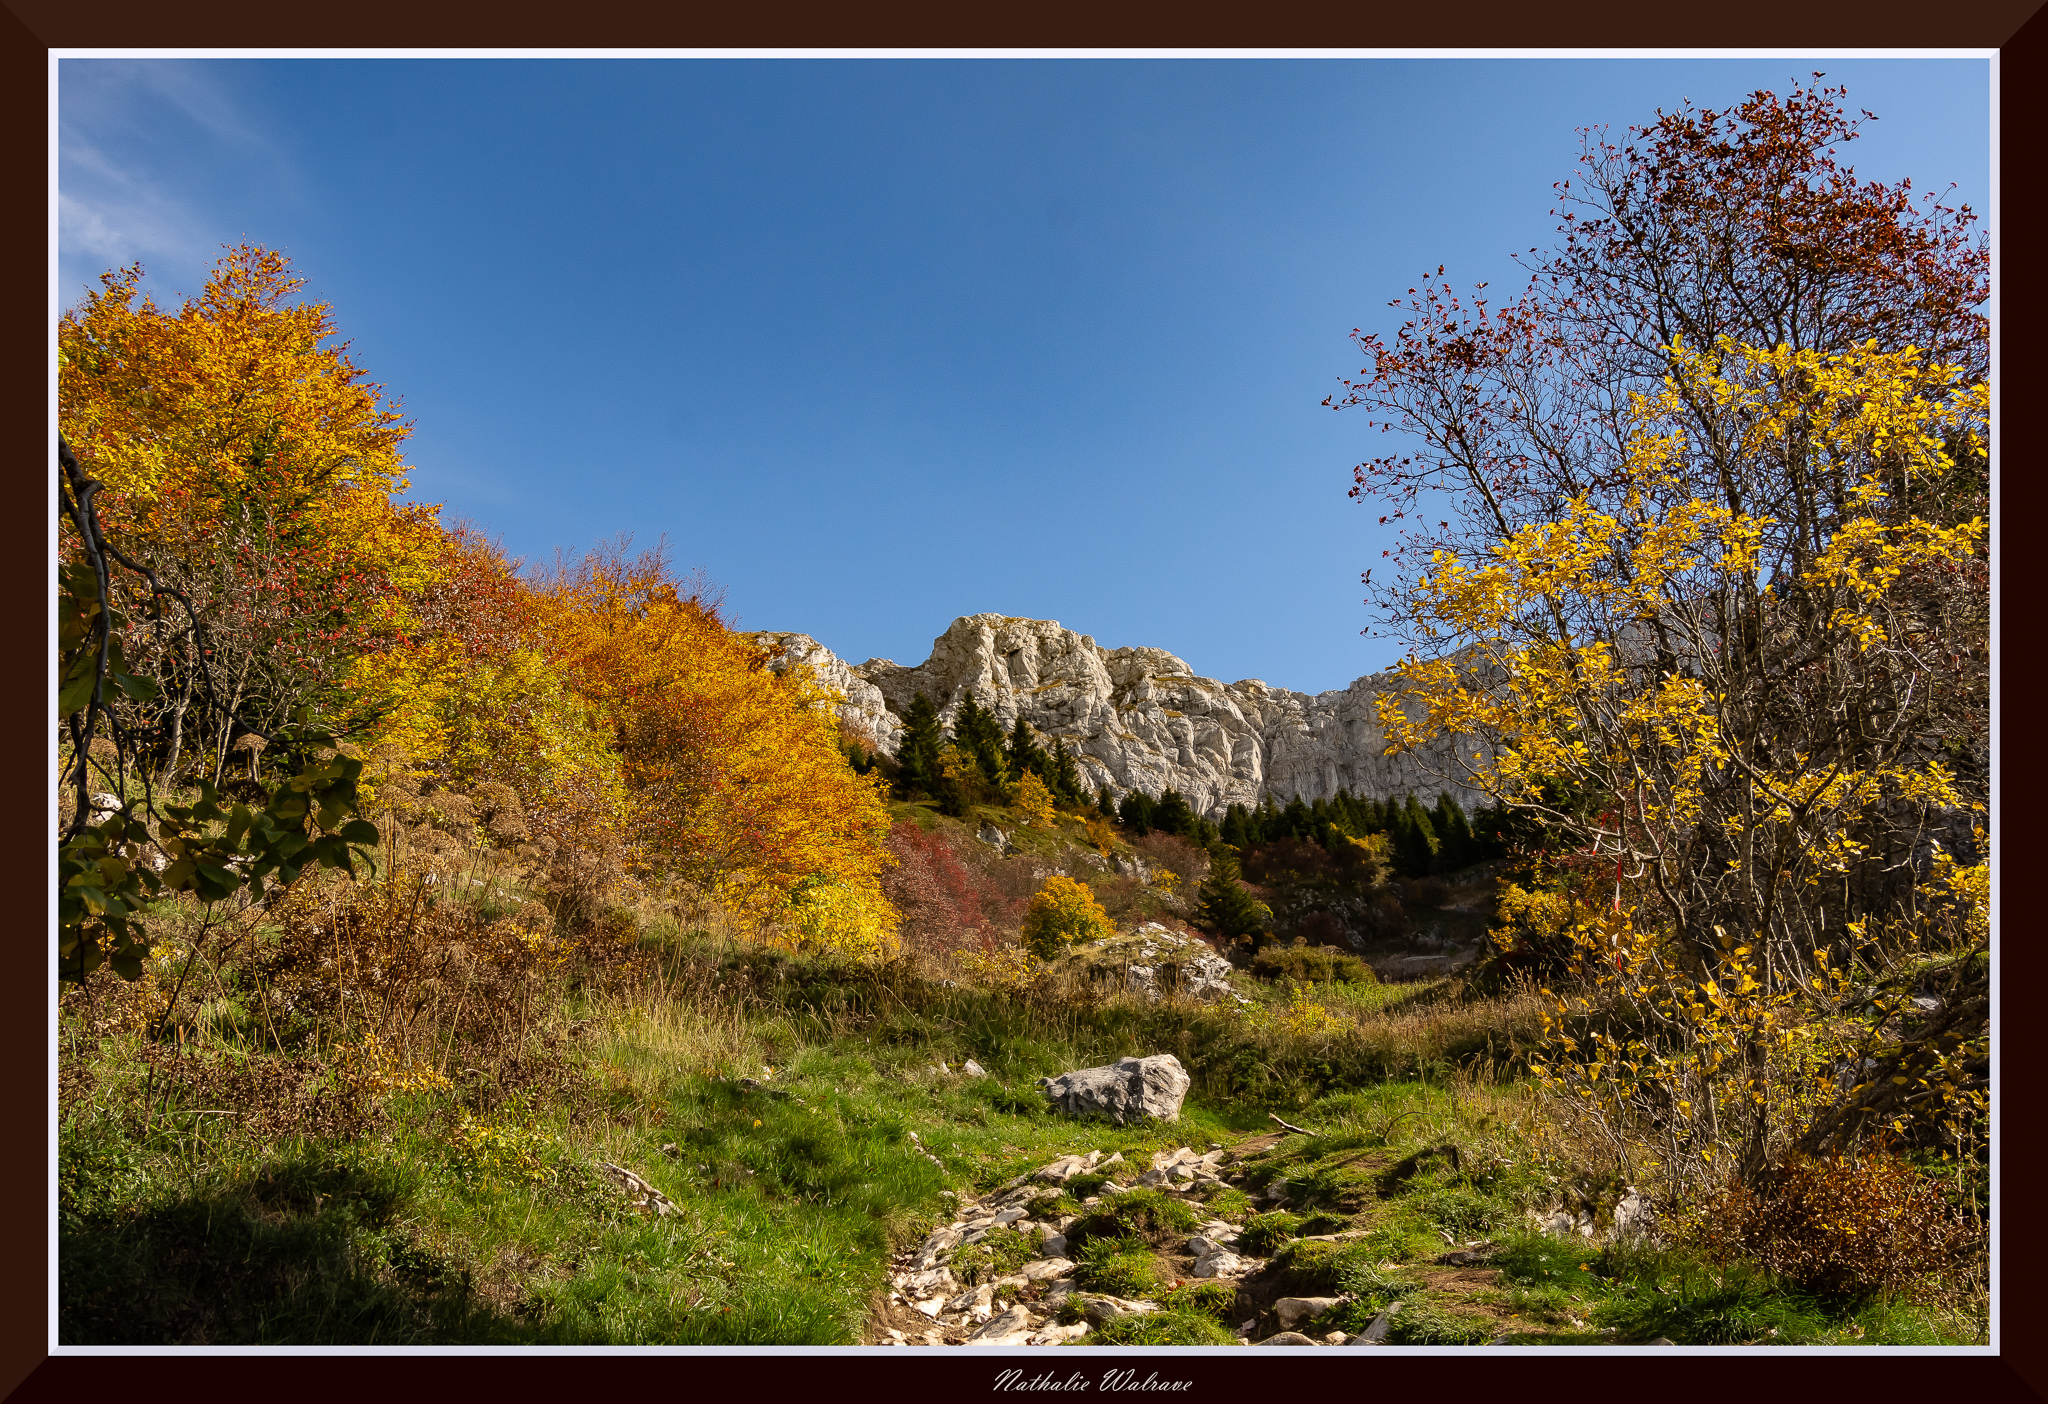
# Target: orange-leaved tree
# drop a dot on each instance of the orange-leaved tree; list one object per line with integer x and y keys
{"x": 733, "y": 775}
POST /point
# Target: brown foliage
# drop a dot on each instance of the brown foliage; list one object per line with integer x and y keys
{"x": 1841, "y": 1228}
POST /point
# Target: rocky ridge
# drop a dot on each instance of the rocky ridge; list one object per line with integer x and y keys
{"x": 1136, "y": 718}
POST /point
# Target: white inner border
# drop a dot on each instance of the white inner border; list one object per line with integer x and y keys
{"x": 997, "y": 1357}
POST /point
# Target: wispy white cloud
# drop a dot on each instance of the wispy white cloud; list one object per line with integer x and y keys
{"x": 133, "y": 138}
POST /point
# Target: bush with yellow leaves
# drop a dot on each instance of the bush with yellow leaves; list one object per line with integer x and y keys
{"x": 1063, "y": 914}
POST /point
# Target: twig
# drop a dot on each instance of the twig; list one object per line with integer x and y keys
{"x": 1290, "y": 1126}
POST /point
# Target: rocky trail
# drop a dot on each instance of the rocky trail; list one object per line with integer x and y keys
{"x": 1000, "y": 1273}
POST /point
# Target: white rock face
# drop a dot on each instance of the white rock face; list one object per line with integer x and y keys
{"x": 1137, "y": 718}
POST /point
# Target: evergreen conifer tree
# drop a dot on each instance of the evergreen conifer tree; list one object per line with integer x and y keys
{"x": 1237, "y": 829}
{"x": 1135, "y": 813}
{"x": 1295, "y": 820}
{"x": 1172, "y": 814}
{"x": 1066, "y": 776}
{"x": 1415, "y": 841}
{"x": 1026, "y": 754}
{"x": 1104, "y": 804}
{"x": 977, "y": 732}
{"x": 917, "y": 758}
{"x": 1227, "y": 908}
{"x": 1454, "y": 834}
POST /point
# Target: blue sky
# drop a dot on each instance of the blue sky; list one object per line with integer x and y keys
{"x": 877, "y": 343}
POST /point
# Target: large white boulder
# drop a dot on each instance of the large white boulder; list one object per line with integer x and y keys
{"x": 1127, "y": 1090}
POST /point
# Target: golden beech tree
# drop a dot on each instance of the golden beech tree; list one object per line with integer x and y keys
{"x": 249, "y": 464}
{"x": 733, "y": 775}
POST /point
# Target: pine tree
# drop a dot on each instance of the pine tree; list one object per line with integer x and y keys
{"x": 1105, "y": 805}
{"x": 1295, "y": 820}
{"x": 976, "y": 731}
{"x": 1135, "y": 813}
{"x": 1237, "y": 828}
{"x": 1066, "y": 776}
{"x": 1227, "y": 908}
{"x": 1415, "y": 841}
{"x": 1172, "y": 814}
{"x": 1454, "y": 834}
{"x": 920, "y": 770}
{"x": 1025, "y": 753}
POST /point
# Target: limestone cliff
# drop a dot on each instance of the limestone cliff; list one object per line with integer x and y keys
{"x": 1136, "y": 718}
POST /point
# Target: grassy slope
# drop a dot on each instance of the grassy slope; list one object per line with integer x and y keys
{"x": 791, "y": 1203}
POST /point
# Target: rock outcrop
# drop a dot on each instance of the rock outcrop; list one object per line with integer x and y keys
{"x": 1136, "y": 718}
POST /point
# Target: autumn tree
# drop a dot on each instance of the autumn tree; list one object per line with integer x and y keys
{"x": 1704, "y": 224}
{"x": 1708, "y": 598}
{"x": 1064, "y": 913}
{"x": 733, "y": 776}
{"x": 250, "y": 465}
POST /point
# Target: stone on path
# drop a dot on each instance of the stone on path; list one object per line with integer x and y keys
{"x": 1042, "y": 1268}
{"x": 1286, "y": 1338}
{"x": 1376, "y": 1333}
{"x": 1294, "y": 1312}
{"x": 1009, "y": 1329}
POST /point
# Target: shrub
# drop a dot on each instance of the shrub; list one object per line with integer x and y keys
{"x": 1064, "y": 912}
{"x": 1312, "y": 964}
{"x": 1839, "y": 1228}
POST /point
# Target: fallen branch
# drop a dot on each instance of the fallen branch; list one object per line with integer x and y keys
{"x": 644, "y": 1195}
{"x": 1290, "y": 1126}
{"x": 756, "y": 1085}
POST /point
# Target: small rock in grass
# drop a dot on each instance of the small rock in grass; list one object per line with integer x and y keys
{"x": 1286, "y": 1338}
{"x": 1294, "y": 1312}
{"x": 1102, "y": 1308}
{"x": 973, "y": 1069}
{"x": 1377, "y": 1332}
{"x": 1042, "y": 1269}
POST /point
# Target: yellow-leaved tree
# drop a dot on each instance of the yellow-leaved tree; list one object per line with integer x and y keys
{"x": 1734, "y": 723}
{"x": 248, "y": 463}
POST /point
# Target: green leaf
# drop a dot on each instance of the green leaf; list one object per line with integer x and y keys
{"x": 75, "y": 694}
{"x": 141, "y": 689}
{"x": 360, "y": 831}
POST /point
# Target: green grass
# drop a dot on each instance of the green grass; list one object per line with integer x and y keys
{"x": 211, "y": 1228}
{"x": 1132, "y": 1214}
{"x": 1122, "y": 1267}
{"x": 1160, "y": 1328}
{"x": 1264, "y": 1233}
{"x": 1212, "y": 1299}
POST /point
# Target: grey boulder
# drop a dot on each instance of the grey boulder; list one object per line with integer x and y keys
{"x": 1129, "y": 1090}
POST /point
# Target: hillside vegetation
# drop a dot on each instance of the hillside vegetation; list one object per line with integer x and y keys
{"x": 459, "y": 951}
